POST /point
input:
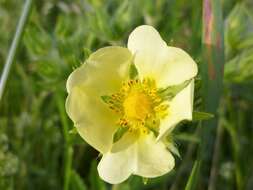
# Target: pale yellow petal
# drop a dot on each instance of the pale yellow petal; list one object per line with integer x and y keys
{"x": 146, "y": 158}
{"x": 93, "y": 121}
{"x": 153, "y": 158}
{"x": 102, "y": 74}
{"x": 104, "y": 70}
{"x": 126, "y": 140}
{"x": 153, "y": 58}
{"x": 181, "y": 108}
{"x": 115, "y": 168}
{"x": 145, "y": 38}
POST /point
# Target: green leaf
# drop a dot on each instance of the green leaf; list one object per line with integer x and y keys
{"x": 133, "y": 72}
{"x": 170, "y": 92}
{"x": 37, "y": 40}
{"x": 119, "y": 133}
{"x": 199, "y": 116}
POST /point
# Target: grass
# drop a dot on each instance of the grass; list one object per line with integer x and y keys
{"x": 36, "y": 147}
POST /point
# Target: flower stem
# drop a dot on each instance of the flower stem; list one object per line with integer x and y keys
{"x": 68, "y": 153}
{"x": 15, "y": 43}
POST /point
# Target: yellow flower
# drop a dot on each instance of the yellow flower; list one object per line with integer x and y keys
{"x": 124, "y": 101}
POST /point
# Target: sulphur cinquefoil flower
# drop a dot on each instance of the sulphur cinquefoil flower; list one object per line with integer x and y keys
{"x": 124, "y": 101}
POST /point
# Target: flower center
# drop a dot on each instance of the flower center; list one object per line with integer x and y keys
{"x": 139, "y": 105}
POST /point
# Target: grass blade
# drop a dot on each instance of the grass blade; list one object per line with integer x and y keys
{"x": 192, "y": 182}
{"x": 212, "y": 77}
{"x": 15, "y": 43}
{"x": 68, "y": 153}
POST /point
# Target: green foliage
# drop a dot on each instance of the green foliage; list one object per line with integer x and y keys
{"x": 36, "y": 148}
{"x": 239, "y": 43}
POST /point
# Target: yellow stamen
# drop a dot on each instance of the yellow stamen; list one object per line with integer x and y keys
{"x": 139, "y": 105}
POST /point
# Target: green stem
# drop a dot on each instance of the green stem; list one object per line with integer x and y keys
{"x": 115, "y": 187}
{"x": 68, "y": 153}
{"x": 15, "y": 43}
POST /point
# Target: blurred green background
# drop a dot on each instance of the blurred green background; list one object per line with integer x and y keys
{"x": 38, "y": 150}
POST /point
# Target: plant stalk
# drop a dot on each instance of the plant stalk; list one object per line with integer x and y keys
{"x": 68, "y": 153}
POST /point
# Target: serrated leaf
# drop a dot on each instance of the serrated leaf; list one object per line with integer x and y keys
{"x": 133, "y": 72}
{"x": 170, "y": 92}
{"x": 119, "y": 133}
{"x": 199, "y": 116}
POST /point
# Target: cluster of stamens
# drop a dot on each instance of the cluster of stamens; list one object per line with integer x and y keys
{"x": 139, "y": 105}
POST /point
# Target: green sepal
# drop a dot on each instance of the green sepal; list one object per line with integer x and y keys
{"x": 173, "y": 149}
{"x": 106, "y": 98}
{"x": 199, "y": 116}
{"x": 153, "y": 130}
{"x": 170, "y": 92}
{"x": 73, "y": 131}
{"x": 171, "y": 145}
{"x": 133, "y": 72}
{"x": 119, "y": 133}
